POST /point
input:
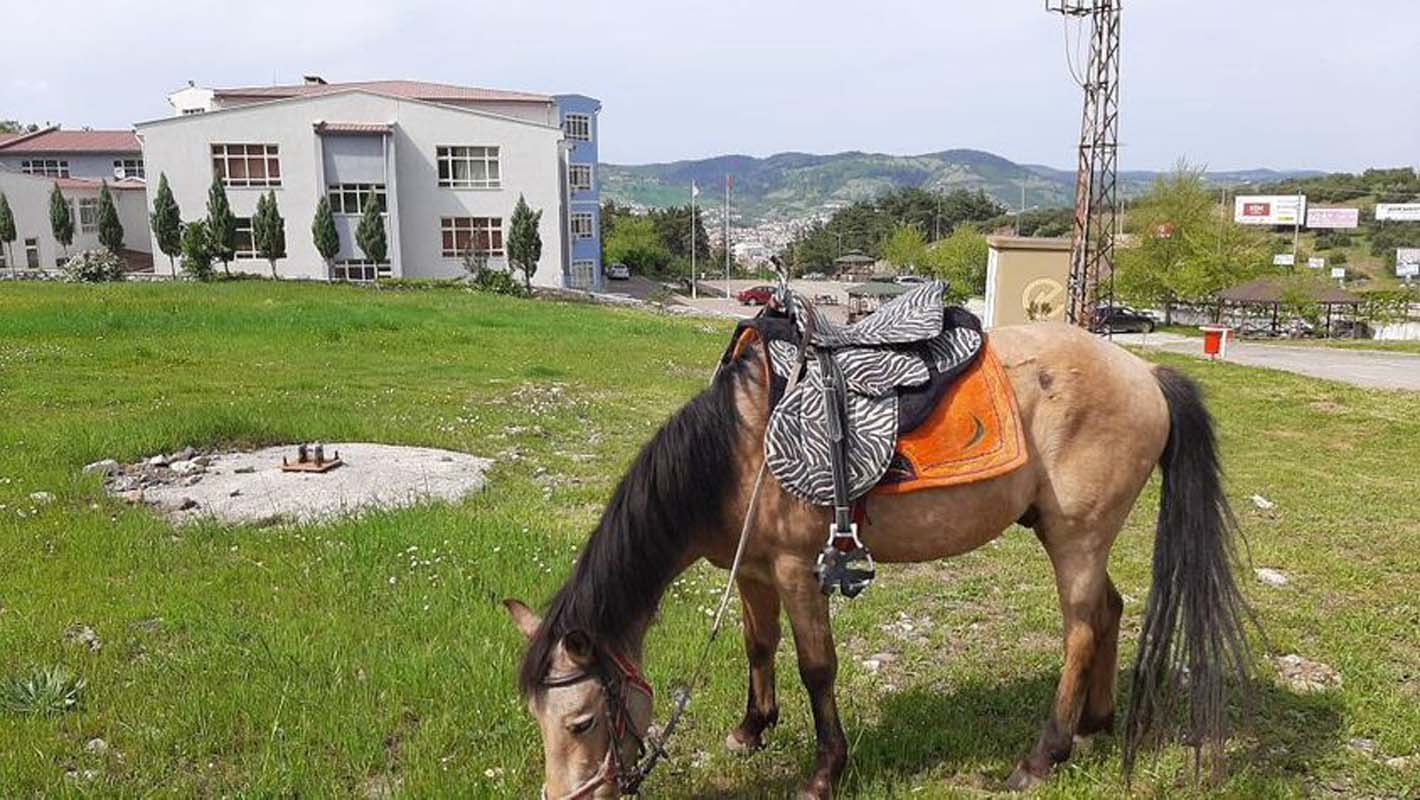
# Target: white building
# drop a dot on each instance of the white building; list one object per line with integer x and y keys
{"x": 448, "y": 164}
{"x": 32, "y": 164}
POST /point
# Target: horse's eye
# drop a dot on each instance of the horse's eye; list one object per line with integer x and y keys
{"x": 581, "y": 726}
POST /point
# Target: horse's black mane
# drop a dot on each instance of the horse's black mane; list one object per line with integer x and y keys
{"x": 676, "y": 489}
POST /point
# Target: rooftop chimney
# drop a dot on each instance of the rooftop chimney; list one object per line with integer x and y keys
{"x": 314, "y": 80}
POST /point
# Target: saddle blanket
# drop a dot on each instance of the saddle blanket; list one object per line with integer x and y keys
{"x": 896, "y": 364}
{"x": 973, "y": 434}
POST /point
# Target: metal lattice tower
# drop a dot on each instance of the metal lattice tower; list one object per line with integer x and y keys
{"x": 1096, "y": 175}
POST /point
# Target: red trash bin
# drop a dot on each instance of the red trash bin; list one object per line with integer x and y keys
{"x": 1215, "y": 340}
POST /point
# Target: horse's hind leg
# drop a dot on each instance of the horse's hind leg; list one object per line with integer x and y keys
{"x": 1090, "y": 606}
{"x": 761, "y": 626}
{"x": 1099, "y": 702}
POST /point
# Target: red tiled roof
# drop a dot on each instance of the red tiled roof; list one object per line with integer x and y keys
{"x": 413, "y": 90}
{"x": 371, "y": 128}
{"x": 53, "y": 140}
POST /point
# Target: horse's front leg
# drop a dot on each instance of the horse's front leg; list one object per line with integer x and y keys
{"x": 818, "y": 667}
{"x": 761, "y": 623}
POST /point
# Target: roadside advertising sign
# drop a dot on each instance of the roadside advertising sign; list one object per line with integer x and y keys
{"x": 1338, "y": 272}
{"x": 1316, "y": 262}
{"x": 1283, "y": 260}
{"x": 1333, "y": 217}
{"x": 1400, "y": 212}
{"x": 1269, "y": 209}
{"x": 1407, "y": 262}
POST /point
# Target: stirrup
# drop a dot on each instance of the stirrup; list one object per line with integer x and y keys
{"x": 845, "y": 565}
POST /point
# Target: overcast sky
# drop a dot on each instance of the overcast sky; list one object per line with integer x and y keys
{"x": 1227, "y": 83}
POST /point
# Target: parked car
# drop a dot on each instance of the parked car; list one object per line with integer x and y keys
{"x": 618, "y": 272}
{"x": 909, "y": 280}
{"x": 755, "y": 295}
{"x": 1121, "y": 319}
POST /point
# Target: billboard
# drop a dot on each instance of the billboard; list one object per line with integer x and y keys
{"x": 1400, "y": 212}
{"x": 1407, "y": 262}
{"x": 1333, "y": 217}
{"x": 1270, "y": 209}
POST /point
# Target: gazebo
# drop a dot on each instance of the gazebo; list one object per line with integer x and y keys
{"x": 864, "y": 299}
{"x": 1270, "y": 294}
{"x": 854, "y": 266}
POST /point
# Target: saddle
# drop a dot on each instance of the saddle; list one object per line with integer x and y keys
{"x": 860, "y": 388}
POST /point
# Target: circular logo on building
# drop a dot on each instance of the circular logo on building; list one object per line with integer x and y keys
{"x": 1044, "y": 299}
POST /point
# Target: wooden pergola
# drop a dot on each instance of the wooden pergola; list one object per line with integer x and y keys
{"x": 1271, "y": 294}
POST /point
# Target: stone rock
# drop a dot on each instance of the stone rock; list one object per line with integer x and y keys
{"x": 1262, "y": 503}
{"x": 185, "y": 467}
{"x": 1304, "y": 676}
{"x": 1271, "y": 577}
{"x": 158, "y": 461}
{"x": 1402, "y": 762}
{"x": 96, "y": 746}
{"x": 191, "y": 480}
{"x": 106, "y": 467}
{"x": 244, "y": 470}
{"x": 186, "y": 504}
{"x": 185, "y": 454}
{"x": 203, "y": 461}
{"x": 83, "y": 635}
{"x": 1360, "y": 745}
{"x": 41, "y": 498}
{"x": 132, "y": 496}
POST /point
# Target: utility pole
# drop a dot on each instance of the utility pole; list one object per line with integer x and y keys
{"x": 694, "y": 190}
{"x": 1096, "y": 172}
{"x": 728, "y": 181}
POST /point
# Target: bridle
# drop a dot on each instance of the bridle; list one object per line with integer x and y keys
{"x": 621, "y": 725}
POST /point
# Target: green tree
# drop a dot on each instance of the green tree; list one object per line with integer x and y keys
{"x": 268, "y": 230}
{"x": 166, "y": 221}
{"x": 905, "y": 248}
{"x": 110, "y": 229}
{"x": 370, "y": 233}
{"x": 635, "y": 243}
{"x": 524, "y": 242}
{"x": 61, "y": 222}
{"x": 959, "y": 261}
{"x": 197, "y": 250}
{"x": 324, "y": 234}
{"x": 7, "y": 229}
{"x": 221, "y": 225}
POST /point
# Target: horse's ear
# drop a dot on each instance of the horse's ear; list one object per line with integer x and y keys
{"x": 578, "y": 647}
{"x": 525, "y": 618}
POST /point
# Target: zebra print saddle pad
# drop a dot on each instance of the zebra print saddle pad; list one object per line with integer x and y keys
{"x": 895, "y": 364}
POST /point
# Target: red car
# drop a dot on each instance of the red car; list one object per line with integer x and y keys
{"x": 756, "y": 295}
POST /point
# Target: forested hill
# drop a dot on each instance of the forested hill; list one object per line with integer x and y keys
{"x": 796, "y": 185}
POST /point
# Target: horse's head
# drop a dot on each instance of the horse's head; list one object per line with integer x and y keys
{"x": 593, "y": 709}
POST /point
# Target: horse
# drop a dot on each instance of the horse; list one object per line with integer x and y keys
{"x": 1097, "y": 420}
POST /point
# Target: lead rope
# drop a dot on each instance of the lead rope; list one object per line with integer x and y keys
{"x": 656, "y": 747}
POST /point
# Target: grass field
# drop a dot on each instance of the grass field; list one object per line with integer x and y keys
{"x": 372, "y": 655}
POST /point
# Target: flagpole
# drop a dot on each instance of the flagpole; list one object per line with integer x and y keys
{"x": 692, "y": 240}
{"x": 727, "y": 237}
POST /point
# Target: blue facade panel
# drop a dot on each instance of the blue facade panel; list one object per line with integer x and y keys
{"x": 578, "y": 115}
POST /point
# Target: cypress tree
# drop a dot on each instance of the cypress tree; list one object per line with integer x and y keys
{"x": 110, "y": 229}
{"x": 323, "y": 232}
{"x": 524, "y": 242}
{"x": 268, "y": 230}
{"x": 7, "y": 228}
{"x": 221, "y": 225}
{"x": 166, "y": 220}
{"x": 61, "y": 222}
{"x": 196, "y": 250}
{"x": 370, "y": 235}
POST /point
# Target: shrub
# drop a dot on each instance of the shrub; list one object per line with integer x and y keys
{"x": 47, "y": 691}
{"x": 94, "y": 266}
{"x": 486, "y": 279}
{"x": 197, "y": 250}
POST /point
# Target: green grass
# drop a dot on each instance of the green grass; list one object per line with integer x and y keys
{"x": 323, "y": 660}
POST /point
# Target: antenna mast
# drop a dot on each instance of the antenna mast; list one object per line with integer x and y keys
{"x": 1096, "y": 174}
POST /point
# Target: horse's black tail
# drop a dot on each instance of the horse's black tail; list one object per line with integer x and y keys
{"x": 1192, "y": 639}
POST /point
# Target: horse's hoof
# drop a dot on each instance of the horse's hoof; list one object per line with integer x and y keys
{"x": 741, "y": 743}
{"x": 818, "y": 789}
{"x": 1022, "y": 779}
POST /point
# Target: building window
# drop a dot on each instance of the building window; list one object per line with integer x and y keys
{"x": 583, "y": 273}
{"x": 245, "y": 244}
{"x": 350, "y": 198}
{"x": 578, "y": 127}
{"x": 88, "y": 215}
{"x": 469, "y": 167}
{"x": 583, "y": 227}
{"x": 128, "y": 167}
{"x": 32, "y": 253}
{"x": 480, "y": 236}
{"x": 361, "y": 270}
{"x": 247, "y": 164}
{"x": 46, "y": 167}
{"x": 579, "y": 177}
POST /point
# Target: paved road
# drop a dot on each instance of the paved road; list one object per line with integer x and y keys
{"x": 1370, "y": 368}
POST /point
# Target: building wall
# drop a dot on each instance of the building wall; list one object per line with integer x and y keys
{"x": 584, "y": 202}
{"x": 28, "y": 197}
{"x": 180, "y": 148}
{"x": 98, "y": 166}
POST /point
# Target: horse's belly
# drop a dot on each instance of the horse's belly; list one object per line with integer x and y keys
{"x": 938, "y": 523}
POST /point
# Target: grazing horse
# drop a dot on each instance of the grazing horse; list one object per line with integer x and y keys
{"x": 1097, "y": 420}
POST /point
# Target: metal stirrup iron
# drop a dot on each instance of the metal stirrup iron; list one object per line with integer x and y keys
{"x": 845, "y": 565}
